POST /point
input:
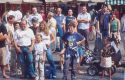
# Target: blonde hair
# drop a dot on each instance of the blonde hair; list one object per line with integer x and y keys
{"x": 46, "y": 29}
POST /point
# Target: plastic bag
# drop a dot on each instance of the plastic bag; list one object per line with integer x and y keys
{"x": 92, "y": 33}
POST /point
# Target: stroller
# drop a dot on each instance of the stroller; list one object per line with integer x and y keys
{"x": 95, "y": 67}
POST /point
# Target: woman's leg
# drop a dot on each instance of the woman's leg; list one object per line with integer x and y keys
{"x": 51, "y": 62}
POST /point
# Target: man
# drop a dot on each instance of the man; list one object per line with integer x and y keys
{"x": 42, "y": 13}
{"x": 36, "y": 15}
{"x": 84, "y": 23}
{"x": 10, "y": 57}
{"x": 52, "y": 26}
{"x": 3, "y": 38}
{"x": 104, "y": 21}
{"x": 24, "y": 42}
{"x": 123, "y": 30}
{"x": 69, "y": 18}
{"x": 60, "y": 19}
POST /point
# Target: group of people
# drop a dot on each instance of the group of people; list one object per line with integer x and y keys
{"x": 32, "y": 38}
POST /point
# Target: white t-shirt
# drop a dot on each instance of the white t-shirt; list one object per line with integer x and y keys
{"x": 10, "y": 28}
{"x": 46, "y": 38}
{"x": 24, "y": 37}
{"x": 83, "y": 16}
{"x": 39, "y": 48}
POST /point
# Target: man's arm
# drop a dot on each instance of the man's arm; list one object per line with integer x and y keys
{"x": 119, "y": 25}
{"x": 63, "y": 24}
{"x": 32, "y": 45}
{"x": 81, "y": 42}
{"x": 3, "y": 37}
{"x": 85, "y": 20}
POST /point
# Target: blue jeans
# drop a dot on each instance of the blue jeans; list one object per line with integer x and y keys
{"x": 69, "y": 62}
{"x": 51, "y": 61}
{"x": 105, "y": 34}
{"x": 26, "y": 62}
{"x": 85, "y": 34}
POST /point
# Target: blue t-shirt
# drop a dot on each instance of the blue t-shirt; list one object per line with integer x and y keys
{"x": 68, "y": 20}
{"x": 71, "y": 39}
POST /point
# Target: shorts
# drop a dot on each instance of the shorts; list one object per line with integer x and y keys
{"x": 105, "y": 68}
{"x": 80, "y": 51}
{"x": 3, "y": 56}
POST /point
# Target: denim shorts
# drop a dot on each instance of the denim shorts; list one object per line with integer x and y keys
{"x": 80, "y": 51}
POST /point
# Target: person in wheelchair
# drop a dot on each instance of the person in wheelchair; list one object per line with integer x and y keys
{"x": 71, "y": 40}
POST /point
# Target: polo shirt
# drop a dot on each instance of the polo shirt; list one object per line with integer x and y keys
{"x": 83, "y": 26}
{"x": 24, "y": 37}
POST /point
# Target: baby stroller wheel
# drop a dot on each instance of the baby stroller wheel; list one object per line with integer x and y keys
{"x": 92, "y": 70}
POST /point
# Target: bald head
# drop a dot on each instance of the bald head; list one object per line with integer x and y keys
{"x": 59, "y": 11}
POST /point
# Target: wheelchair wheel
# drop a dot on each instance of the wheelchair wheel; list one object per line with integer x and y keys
{"x": 92, "y": 70}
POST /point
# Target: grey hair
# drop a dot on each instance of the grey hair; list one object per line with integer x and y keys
{"x": 51, "y": 14}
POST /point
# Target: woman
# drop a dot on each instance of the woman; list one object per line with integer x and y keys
{"x": 48, "y": 39}
{"x": 115, "y": 27}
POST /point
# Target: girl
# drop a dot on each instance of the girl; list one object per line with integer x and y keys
{"x": 40, "y": 49}
{"x": 106, "y": 59}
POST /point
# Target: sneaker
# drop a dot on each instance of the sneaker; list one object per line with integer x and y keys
{"x": 54, "y": 77}
{"x": 73, "y": 78}
{"x": 81, "y": 72}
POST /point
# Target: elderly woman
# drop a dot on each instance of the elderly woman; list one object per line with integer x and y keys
{"x": 51, "y": 24}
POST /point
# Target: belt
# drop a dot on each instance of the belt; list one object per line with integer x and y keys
{"x": 123, "y": 31}
{"x": 24, "y": 46}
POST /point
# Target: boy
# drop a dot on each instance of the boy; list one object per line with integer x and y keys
{"x": 71, "y": 40}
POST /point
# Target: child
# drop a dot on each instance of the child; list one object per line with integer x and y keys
{"x": 40, "y": 48}
{"x": 71, "y": 39}
{"x": 106, "y": 59}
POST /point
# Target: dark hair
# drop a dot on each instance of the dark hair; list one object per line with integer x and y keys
{"x": 105, "y": 5}
{"x": 10, "y": 17}
{"x": 82, "y": 4}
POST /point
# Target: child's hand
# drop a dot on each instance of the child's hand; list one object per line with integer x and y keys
{"x": 47, "y": 45}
